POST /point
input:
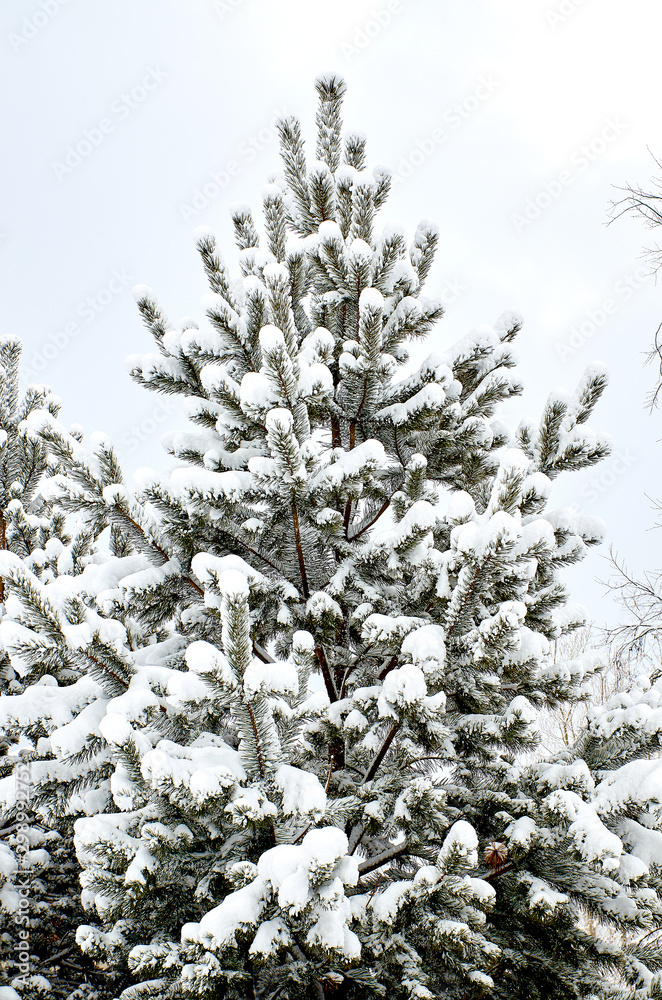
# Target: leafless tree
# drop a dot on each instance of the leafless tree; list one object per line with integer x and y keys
{"x": 646, "y": 204}
{"x": 639, "y": 638}
{"x": 561, "y": 726}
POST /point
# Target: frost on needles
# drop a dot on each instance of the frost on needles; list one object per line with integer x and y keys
{"x": 298, "y": 690}
{"x": 42, "y": 686}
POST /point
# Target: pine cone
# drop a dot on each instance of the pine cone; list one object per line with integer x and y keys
{"x": 495, "y": 854}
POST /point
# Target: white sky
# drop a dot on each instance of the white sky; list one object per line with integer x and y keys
{"x": 489, "y": 99}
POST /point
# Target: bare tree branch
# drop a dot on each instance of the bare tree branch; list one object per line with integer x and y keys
{"x": 641, "y": 597}
{"x": 646, "y": 204}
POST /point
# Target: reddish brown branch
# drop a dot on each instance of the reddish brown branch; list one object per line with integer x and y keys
{"x": 157, "y": 548}
{"x": 389, "y": 667}
{"x": 336, "y": 440}
{"x": 503, "y": 870}
{"x": 366, "y": 527}
{"x": 383, "y": 750}
{"x": 381, "y": 859}
{"x": 345, "y": 520}
{"x": 106, "y": 669}
{"x": 297, "y": 539}
{"x": 326, "y": 674}
{"x": 260, "y": 760}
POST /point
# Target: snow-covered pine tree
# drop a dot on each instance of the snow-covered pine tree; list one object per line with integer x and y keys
{"x": 321, "y": 637}
{"x": 25, "y": 522}
{"x": 42, "y": 553}
{"x": 30, "y": 531}
{"x": 582, "y": 833}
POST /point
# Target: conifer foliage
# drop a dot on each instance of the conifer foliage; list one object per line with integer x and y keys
{"x": 309, "y": 664}
{"x": 40, "y": 907}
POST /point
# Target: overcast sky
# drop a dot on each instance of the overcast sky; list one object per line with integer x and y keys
{"x": 508, "y": 122}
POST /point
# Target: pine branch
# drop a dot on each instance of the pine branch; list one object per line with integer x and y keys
{"x": 366, "y": 527}
{"x": 370, "y": 864}
{"x": 326, "y": 674}
{"x": 297, "y": 538}
{"x": 381, "y": 753}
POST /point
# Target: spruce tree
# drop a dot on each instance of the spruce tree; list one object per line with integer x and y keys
{"x": 320, "y": 640}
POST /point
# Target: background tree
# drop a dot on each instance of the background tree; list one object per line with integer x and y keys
{"x": 37, "y": 689}
{"x": 645, "y": 203}
{"x": 640, "y": 595}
